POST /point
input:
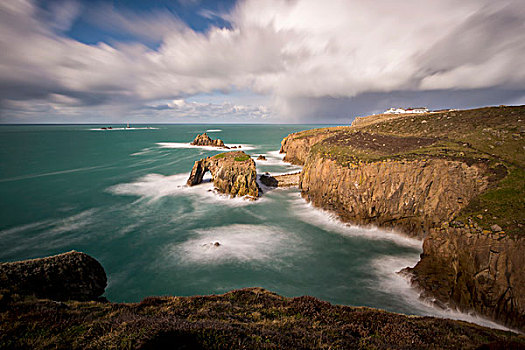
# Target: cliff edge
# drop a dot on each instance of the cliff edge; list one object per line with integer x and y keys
{"x": 454, "y": 178}
{"x": 251, "y": 318}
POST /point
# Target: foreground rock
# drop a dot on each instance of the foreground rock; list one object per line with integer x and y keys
{"x": 68, "y": 276}
{"x": 233, "y": 173}
{"x": 251, "y": 318}
{"x": 205, "y": 140}
{"x": 440, "y": 177}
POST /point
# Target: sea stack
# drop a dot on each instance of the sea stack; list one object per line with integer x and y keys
{"x": 233, "y": 173}
{"x": 205, "y": 140}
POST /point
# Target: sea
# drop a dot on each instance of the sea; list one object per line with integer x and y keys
{"x": 120, "y": 195}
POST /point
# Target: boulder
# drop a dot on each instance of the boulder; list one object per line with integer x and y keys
{"x": 68, "y": 276}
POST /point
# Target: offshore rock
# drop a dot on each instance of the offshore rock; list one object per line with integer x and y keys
{"x": 205, "y": 140}
{"x": 233, "y": 173}
{"x": 68, "y": 276}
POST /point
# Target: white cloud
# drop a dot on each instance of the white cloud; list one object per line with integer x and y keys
{"x": 286, "y": 49}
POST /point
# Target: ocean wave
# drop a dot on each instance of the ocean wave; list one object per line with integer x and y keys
{"x": 25, "y": 177}
{"x": 330, "y": 222}
{"x": 176, "y": 145}
{"x": 214, "y": 130}
{"x": 156, "y": 186}
{"x": 237, "y": 243}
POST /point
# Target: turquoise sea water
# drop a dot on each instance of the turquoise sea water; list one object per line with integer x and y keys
{"x": 120, "y": 196}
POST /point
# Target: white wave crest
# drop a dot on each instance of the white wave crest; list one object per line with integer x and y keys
{"x": 328, "y": 221}
{"x": 236, "y": 243}
{"x": 214, "y": 130}
{"x": 156, "y": 186}
{"x": 398, "y": 285}
{"x": 123, "y": 129}
{"x": 176, "y": 145}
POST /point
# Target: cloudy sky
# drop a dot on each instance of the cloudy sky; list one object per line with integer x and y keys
{"x": 254, "y": 61}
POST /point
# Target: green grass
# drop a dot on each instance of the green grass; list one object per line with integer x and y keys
{"x": 220, "y": 155}
{"x": 242, "y": 158}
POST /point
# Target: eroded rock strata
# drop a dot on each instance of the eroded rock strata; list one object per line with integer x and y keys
{"x": 233, "y": 173}
{"x": 454, "y": 178}
{"x": 205, "y": 140}
{"x": 73, "y": 275}
{"x": 251, "y": 318}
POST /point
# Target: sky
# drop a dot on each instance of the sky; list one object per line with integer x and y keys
{"x": 254, "y": 61}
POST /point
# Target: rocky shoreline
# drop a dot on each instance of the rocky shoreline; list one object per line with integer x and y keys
{"x": 251, "y": 318}
{"x": 436, "y": 177}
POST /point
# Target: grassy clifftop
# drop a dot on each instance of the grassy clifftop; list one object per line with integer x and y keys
{"x": 244, "y": 319}
{"x": 493, "y": 138}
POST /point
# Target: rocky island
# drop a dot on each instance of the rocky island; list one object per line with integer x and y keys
{"x": 454, "y": 178}
{"x": 233, "y": 173}
{"x": 251, "y": 318}
{"x": 205, "y": 140}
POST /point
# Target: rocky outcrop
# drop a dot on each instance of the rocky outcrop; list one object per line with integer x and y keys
{"x": 297, "y": 146}
{"x": 285, "y": 180}
{"x": 68, "y": 276}
{"x": 412, "y": 195}
{"x": 441, "y": 177}
{"x": 205, "y": 140}
{"x": 472, "y": 270}
{"x": 233, "y": 173}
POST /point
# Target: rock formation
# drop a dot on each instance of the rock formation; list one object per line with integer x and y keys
{"x": 286, "y": 180}
{"x": 68, "y": 276}
{"x": 454, "y": 178}
{"x": 233, "y": 173}
{"x": 205, "y": 140}
{"x": 261, "y": 157}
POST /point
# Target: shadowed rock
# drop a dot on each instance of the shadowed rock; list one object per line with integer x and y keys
{"x": 205, "y": 140}
{"x": 68, "y": 276}
{"x": 286, "y": 180}
{"x": 233, "y": 173}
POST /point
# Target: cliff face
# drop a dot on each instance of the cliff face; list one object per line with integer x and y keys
{"x": 233, "y": 173}
{"x": 477, "y": 271}
{"x": 410, "y": 194}
{"x": 454, "y": 178}
{"x": 68, "y": 276}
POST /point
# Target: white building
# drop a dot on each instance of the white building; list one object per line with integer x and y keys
{"x": 394, "y": 110}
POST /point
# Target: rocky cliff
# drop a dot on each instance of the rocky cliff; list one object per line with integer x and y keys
{"x": 251, "y": 318}
{"x": 233, "y": 173}
{"x": 435, "y": 176}
{"x": 68, "y": 276}
{"x": 205, "y": 140}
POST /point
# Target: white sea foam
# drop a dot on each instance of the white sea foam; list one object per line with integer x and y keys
{"x": 397, "y": 285}
{"x": 237, "y": 243}
{"x": 275, "y": 159}
{"x": 124, "y": 129}
{"x": 176, "y": 145}
{"x": 214, "y": 130}
{"x": 24, "y": 177}
{"x": 328, "y": 221}
{"x": 50, "y": 233}
{"x": 155, "y": 186}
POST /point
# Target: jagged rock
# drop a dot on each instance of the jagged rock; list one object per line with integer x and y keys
{"x": 495, "y": 228}
{"x": 233, "y": 173}
{"x": 68, "y": 276}
{"x": 205, "y": 140}
{"x": 261, "y": 157}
